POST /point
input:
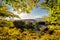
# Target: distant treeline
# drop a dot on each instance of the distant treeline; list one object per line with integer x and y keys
{"x": 30, "y": 25}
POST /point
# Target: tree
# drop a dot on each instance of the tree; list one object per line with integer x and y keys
{"x": 6, "y": 13}
{"x": 30, "y": 25}
{"x": 19, "y": 24}
{"x": 54, "y": 7}
{"x": 23, "y": 5}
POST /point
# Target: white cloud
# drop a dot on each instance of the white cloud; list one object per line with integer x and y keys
{"x": 28, "y": 16}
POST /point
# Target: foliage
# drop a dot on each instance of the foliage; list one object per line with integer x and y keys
{"x": 5, "y": 23}
{"x": 8, "y": 34}
{"x": 11, "y": 30}
{"x": 4, "y": 12}
{"x": 54, "y": 36}
{"x": 54, "y": 27}
{"x": 54, "y": 8}
{"x": 24, "y": 5}
{"x": 15, "y": 34}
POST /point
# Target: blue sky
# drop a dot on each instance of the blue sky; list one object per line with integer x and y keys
{"x": 35, "y": 13}
{"x": 39, "y": 12}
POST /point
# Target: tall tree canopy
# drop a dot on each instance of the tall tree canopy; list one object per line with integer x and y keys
{"x": 54, "y": 7}
{"x": 24, "y": 5}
